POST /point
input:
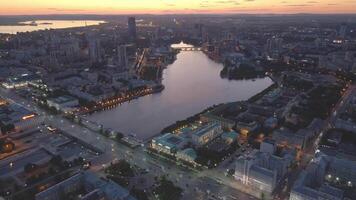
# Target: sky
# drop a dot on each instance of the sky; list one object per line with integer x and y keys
{"x": 29, "y": 7}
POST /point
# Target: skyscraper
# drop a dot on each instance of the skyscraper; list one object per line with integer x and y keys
{"x": 342, "y": 31}
{"x": 122, "y": 56}
{"x": 274, "y": 46}
{"x": 132, "y": 28}
{"x": 94, "y": 50}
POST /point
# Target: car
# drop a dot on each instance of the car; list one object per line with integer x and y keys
{"x": 52, "y": 129}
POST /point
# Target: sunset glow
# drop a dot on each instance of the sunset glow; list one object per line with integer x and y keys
{"x": 18, "y": 7}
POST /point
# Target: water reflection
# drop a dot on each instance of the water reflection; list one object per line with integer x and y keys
{"x": 47, "y": 24}
{"x": 192, "y": 83}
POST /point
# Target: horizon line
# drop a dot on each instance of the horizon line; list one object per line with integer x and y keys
{"x": 162, "y": 14}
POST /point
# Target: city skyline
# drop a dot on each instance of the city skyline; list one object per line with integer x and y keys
{"x": 23, "y": 7}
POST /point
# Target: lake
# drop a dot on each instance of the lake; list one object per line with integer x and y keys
{"x": 47, "y": 24}
{"x": 192, "y": 83}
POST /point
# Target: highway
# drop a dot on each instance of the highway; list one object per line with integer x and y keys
{"x": 197, "y": 185}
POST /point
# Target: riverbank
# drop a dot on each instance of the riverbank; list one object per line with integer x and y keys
{"x": 117, "y": 100}
{"x": 194, "y": 118}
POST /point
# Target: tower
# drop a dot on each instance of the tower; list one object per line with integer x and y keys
{"x": 132, "y": 28}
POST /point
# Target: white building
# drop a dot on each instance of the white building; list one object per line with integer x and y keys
{"x": 262, "y": 171}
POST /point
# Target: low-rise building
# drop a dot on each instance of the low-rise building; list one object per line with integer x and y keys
{"x": 20, "y": 81}
{"x": 63, "y": 103}
{"x": 206, "y": 133}
{"x": 93, "y": 186}
{"x": 168, "y": 143}
{"x": 268, "y": 146}
{"x": 18, "y": 116}
{"x": 188, "y": 155}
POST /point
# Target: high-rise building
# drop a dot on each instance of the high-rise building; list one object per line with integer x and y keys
{"x": 132, "y": 28}
{"x": 94, "y": 50}
{"x": 122, "y": 56}
{"x": 274, "y": 46}
{"x": 342, "y": 31}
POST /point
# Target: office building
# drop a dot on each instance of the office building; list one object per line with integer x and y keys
{"x": 262, "y": 171}
{"x": 132, "y": 28}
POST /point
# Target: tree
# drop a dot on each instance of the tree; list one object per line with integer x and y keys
{"x": 166, "y": 190}
{"x": 56, "y": 161}
{"x": 121, "y": 168}
{"x": 7, "y": 128}
{"x": 29, "y": 167}
{"x": 139, "y": 194}
{"x": 119, "y": 136}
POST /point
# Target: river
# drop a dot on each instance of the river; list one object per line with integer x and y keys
{"x": 47, "y": 24}
{"x": 192, "y": 83}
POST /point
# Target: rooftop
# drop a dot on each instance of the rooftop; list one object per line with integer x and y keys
{"x": 63, "y": 99}
{"x": 201, "y": 131}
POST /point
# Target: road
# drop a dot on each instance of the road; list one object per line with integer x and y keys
{"x": 197, "y": 185}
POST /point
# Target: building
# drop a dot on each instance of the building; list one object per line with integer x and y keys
{"x": 274, "y": 47}
{"x": 63, "y": 103}
{"x": 168, "y": 143}
{"x": 95, "y": 52}
{"x": 19, "y": 117}
{"x": 300, "y": 139}
{"x": 211, "y": 117}
{"x": 132, "y": 28}
{"x": 246, "y": 124}
{"x": 122, "y": 59}
{"x": 2, "y": 102}
{"x": 207, "y": 133}
{"x": 188, "y": 155}
{"x": 310, "y": 184}
{"x": 262, "y": 171}
{"x": 20, "y": 81}
{"x": 268, "y": 146}
{"x": 93, "y": 186}
{"x": 230, "y": 137}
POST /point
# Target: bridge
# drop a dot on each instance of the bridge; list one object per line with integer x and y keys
{"x": 189, "y": 48}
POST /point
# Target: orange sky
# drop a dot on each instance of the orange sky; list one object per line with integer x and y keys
{"x": 15, "y": 7}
